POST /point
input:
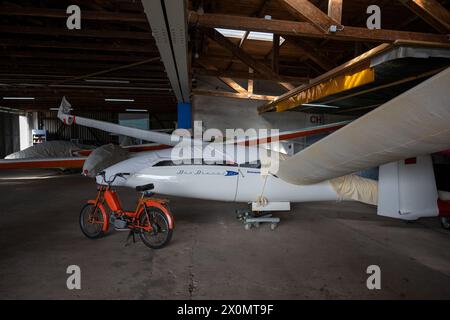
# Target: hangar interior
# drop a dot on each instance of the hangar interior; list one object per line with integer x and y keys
{"x": 163, "y": 65}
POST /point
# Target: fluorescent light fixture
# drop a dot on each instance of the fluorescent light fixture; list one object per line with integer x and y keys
{"x": 11, "y": 110}
{"x": 18, "y": 98}
{"x": 106, "y": 81}
{"x": 136, "y": 110}
{"x": 253, "y": 35}
{"x": 319, "y": 105}
{"x": 119, "y": 100}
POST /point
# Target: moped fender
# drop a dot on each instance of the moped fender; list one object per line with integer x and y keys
{"x": 152, "y": 203}
{"x": 104, "y": 214}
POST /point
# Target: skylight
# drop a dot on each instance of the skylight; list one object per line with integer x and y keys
{"x": 253, "y": 35}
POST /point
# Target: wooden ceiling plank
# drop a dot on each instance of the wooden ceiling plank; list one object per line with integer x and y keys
{"x": 89, "y": 75}
{"x": 60, "y": 32}
{"x": 61, "y": 13}
{"x": 123, "y": 47}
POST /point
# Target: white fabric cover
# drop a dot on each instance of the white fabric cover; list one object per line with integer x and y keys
{"x": 353, "y": 187}
{"x": 414, "y": 123}
{"x": 49, "y": 149}
{"x": 103, "y": 157}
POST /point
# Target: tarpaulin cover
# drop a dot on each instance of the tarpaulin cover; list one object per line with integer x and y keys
{"x": 103, "y": 157}
{"x": 353, "y": 187}
{"x": 50, "y": 149}
{"x": 414, "y": 123}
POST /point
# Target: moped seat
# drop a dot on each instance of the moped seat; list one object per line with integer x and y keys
{"x": 145, "y": 187}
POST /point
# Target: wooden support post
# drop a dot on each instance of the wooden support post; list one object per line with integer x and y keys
{"x": 335, "y": 10}
{"x": 276, "y": 53}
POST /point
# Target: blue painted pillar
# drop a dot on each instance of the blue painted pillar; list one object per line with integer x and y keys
{"x": 184, "y": 115}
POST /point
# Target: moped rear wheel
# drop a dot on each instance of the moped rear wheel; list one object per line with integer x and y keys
{"x": 91, "y": 221}
{"x": 160, "y": 233}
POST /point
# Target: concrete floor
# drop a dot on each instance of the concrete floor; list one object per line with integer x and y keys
{"x": 319, "y": 251}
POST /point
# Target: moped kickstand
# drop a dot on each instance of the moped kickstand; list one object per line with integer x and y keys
{"x": 130, "y": 235}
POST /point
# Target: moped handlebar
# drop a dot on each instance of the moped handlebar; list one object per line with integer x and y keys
{"x": 113, "y": 178}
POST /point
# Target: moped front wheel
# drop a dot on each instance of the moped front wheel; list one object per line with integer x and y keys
{"x": 92, "y": 221}
{"x": 155, "y": 229}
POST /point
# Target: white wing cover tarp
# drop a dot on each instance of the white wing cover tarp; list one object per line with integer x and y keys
{"x": 353, "y": 187}
{"x": 50, "y": 149}
{"x": 102, "y": 158}
{"x": 416, "y": 122}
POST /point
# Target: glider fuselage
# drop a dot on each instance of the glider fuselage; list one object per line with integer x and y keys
{"x": 241, "y": 182}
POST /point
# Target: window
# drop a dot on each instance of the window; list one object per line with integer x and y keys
{"x": 165, "y": 163}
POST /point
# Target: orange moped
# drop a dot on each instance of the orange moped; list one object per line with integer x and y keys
{"x": 151, "y": 219}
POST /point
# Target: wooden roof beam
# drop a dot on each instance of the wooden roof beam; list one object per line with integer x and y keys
{"x": 228, "y": 81}
{"x": 335, "y": 10}
{"x": 306, "y": 29}
{"x": 259, "y": 14}
{"x": 215, "y": 93}
{"x": 244, "y": 57}
{"x": 239, "y": 53}
{"x": 431, "y": 12}
{"x": 244, "y": 75}
{"x": 305, "y": 10}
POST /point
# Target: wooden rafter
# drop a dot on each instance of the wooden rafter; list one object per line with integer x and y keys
{"x": 40, "y": 56}
{"x": 227, "y": 80}
{"x": 259, "y": 14}
{"x": 244, "y": 75}
{"x": 304, "y": 9}
{"x": 306, "y": 29}
{"x": 275, "y": 53}
{"x": 250, "y": 82}
{"x": 245, "y": 57}
{"x": 432, "y": 12}
{"x": 215, "y": 93}
{"x": 335, "y": 10}
{"x": 239, "y": 53}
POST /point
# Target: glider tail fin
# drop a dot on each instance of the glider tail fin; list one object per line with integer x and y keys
{"x": 64, "y": 111}
{"x": 407, "y": 189}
